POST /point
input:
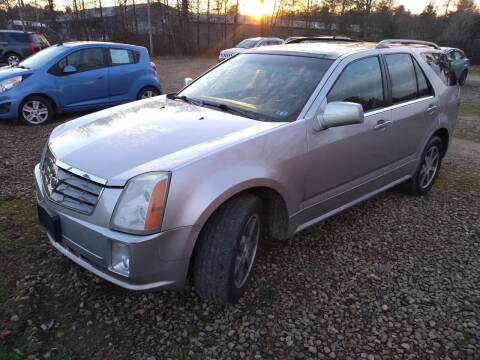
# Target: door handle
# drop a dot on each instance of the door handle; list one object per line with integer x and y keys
{"x": 100, "y": 77}
{"x": 381, "y": 124}
{"x": 431, "y": 108}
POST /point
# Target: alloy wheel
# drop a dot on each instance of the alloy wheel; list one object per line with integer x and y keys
{"x": 247, "y": 250}
{"x": 13, "y": 60}
{"x": 429, "y": 167}
{"x": 147, "y": 94}
{"x": 35, "y": 112}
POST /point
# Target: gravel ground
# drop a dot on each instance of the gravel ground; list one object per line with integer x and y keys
{"x": 395, "y": 277}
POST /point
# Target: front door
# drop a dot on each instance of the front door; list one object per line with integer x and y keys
{"x": 341, "y": 158}
{"x": 88, "y": 85}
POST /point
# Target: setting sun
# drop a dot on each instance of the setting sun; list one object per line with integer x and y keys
{"x": 256, "y": 8}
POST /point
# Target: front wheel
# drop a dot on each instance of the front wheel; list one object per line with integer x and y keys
{"x": 35, "y": 110}
{"x": 147, "y": 92}
{"x": 227, "y": 250}
{"x": 427, "y": 171}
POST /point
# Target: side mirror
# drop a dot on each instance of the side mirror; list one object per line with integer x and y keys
{"x": 69, "y": 69}
{"x": 187, "y": 81}
{"x": 339, "y": 113}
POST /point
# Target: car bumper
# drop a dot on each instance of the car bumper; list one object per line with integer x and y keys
{"x": 157, "y": 261}
{"x": 9, "y": 103}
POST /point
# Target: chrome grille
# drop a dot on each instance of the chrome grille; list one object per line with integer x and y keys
{"x": 68, "y": 189}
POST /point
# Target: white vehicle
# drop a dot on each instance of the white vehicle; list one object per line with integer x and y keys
{"x": 249, "y": 44}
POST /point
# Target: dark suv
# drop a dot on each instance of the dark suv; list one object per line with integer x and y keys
{"x": 17, "y": 45}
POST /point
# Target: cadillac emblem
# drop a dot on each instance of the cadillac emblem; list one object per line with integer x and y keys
{"x": 53, "y": 182}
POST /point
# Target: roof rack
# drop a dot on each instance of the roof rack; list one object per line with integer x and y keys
{"x": 384, "y": 44}
{"x": 319, "y": 38}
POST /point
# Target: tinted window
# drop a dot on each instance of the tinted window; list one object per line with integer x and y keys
{"x": 424, "y": 87}
{"x": 361, "y": 83}
{"x": 402, "y": 77}
{"x": 247, "y": 44}
{"x": 122, "y": 56}
{"x": 440, "y": 65}
{"x": 83, "y": 60}
{"x": 19, "y": 37}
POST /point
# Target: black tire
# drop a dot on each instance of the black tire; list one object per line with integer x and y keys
{"x": 147, "y": 92}
{"x": 418, "y": 185}
{"x": 42, "y": 105}
{"x": 463, "y": 78}
{"x": 12, "y": 58}
{"x": 219, "y": 247}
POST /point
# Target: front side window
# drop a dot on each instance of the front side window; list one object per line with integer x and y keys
{"x": 361, "y": 83}
{"x": 440, "y": 65}
{"x": 83, "y": 60}
{"x": 272, "y": 87}
{"x": 122, "y": 56}
{"x": 402, "y": 77}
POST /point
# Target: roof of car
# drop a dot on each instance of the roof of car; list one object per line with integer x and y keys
{"x": 331, "y": 49}
{"x": 96, "y": 43}
{"x": 14, "y": 31}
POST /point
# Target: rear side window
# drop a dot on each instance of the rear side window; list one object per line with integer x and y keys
{"x": 40, "y": 39}
{"x": 440, "y": 65}
{"x": 424, "y": 87}
{"x": 361, "y": 83}
{"x": 402, "y": 77}
{"x": 123, "y": 56}
{"x": 19, "y": 37}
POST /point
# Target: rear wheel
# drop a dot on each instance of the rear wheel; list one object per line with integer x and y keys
{"x": 35, "y": 110}
{"x": 427, "y": 171}
{"x": 147, "y": 92}
{"x": 13, "y": 59}
{"x": 227, "y": 250}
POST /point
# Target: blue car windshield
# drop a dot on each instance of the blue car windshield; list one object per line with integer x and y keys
{"x": 268, "y": 87}
{"x": 42, "y": 57}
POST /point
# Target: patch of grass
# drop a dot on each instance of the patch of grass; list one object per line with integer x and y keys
{"x": 21, "y": 347}
{"x": 469, "y": 110}
{"x": 474, "y": 70}
{"x": 450, "y": 177}
{"x": 268, "y": 295}
{"x": 465, "y": 339}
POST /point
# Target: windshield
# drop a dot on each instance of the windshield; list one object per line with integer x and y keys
{"x": 247, "y": 44}
{"x": 42, "y": 57}
{"x": 273, "y": 87}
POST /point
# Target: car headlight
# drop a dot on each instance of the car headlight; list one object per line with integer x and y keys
{"x": 140, "y": 207}
{"x": 8, "y": 84}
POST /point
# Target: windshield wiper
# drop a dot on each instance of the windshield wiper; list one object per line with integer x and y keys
{"x": 174, "y": 96}
{"x": 232, "y": 110}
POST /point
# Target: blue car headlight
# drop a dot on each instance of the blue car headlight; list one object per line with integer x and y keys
{"x": 8, "y": 84}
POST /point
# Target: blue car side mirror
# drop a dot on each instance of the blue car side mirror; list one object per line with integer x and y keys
{"x": 69, "y": 69}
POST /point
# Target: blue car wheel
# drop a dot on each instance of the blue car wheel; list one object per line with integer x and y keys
{"x": 35, "y": 110}
{"x": 147, "y": 92}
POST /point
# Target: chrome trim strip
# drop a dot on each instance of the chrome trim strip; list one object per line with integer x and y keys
{"x": 105, "y": 276}
{"x": 79, "y": 172}
{"x": 396, "y": 106}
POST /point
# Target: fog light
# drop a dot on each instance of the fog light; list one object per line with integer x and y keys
{"x": 120, "y": 258}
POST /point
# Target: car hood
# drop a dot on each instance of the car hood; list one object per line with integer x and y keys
{"x": 156, "y": 134}
{"x": 6, "y": 72}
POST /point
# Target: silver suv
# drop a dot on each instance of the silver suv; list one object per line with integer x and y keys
{"x": 266, "y": 143}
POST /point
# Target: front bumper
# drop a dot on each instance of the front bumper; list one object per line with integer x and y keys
{"x": 157, "y": 261}
{"x": 9, "y": 103}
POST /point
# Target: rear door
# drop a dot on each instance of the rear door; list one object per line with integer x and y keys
{"x": 414, "y": 105}
{"x": 125, "y": 68}
{"x": 88, "y": 86}
{"x": 3, "y": 45}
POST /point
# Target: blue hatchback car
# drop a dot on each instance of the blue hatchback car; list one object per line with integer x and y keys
{"x": 76, "y": 76}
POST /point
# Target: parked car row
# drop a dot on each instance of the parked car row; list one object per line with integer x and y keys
{"x": 268, "y": 142}
{"x": 76, "y": 76}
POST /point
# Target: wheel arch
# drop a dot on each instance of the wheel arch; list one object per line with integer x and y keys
{"x": 444, "y": 135}
{"x": 49, "y": 98}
